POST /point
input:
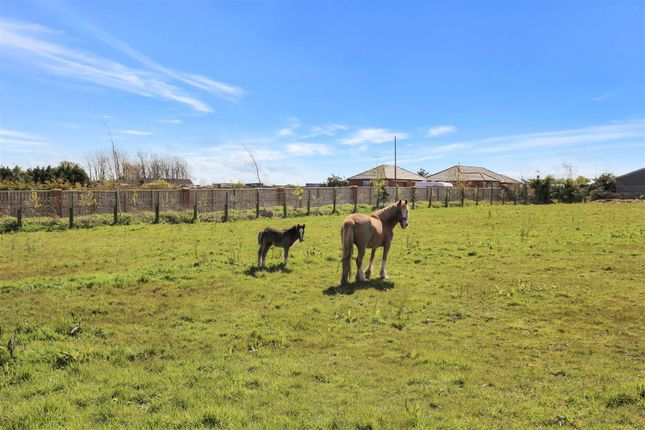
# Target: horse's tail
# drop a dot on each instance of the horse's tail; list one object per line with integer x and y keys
{"x": 260, "y": 237}
{"x": 347, "y": 243}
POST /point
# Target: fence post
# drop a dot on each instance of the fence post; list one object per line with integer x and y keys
{"x": 491, "y": 195}
{"x": 503, "y": 196}
{"x": 284, "y": 205}
{"x": 445, "y": 204}
{"x": 195, "y": 209}
{"x": 19, "y": 216}
{"x": 156, "y": 199}
{"x": 515, "y": 196}
{"x": 308, "y": 202}
{"x": 334, "y": 202}
{"x": 71, "y": 211}
{"x": 257, "y": 204}
{"x": 414, "y": 196}
{"x": 462, "y": 197}
{"x": 526, "y": 194}
{"x": 355, "y": 196}
{"x": 116, "y": 207}
{"x": 226, "y": 206}
{"x": 430, "y": 198}
{"x": 476, "y": 196}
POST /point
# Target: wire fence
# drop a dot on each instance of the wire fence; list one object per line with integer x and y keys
{"x": 253, "y": 202}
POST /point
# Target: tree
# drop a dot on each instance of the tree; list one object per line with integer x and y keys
{"x": 541, "y": 189}
{"x": 423, "y": 172}
{"x": 605, "y": 182}
{"x": 335, "y": 181}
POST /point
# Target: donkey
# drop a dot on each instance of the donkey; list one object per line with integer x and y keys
{"x": 373, "y": 232}
{"x": 282, "y": 238}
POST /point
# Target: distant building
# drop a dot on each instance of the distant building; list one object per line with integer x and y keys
{"x": 314, "y": 184}
{"x": 632, "y": 182}
{"x": 474, "y": 177}
{"x": 404, "y": 178}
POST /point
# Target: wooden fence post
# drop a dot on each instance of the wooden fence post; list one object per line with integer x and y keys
{"x": 19, "y": 216}
{"x": 284, "y": 205}
{"x": 226, "y": 207}
{"x": 116, "y": 207}
{"x": 257, "y": 204}
{"x": 463, "y": 191}
{"x": 414, "y": 196}
{"x": 491, "y": 195}
{"x": 308, "y": 201}
{"x": 157, "y": 208}
{"x": 430, "y": 197}
{"x": 334, "y": 202}
{"x": 445, "y": 204}
{"x": 476, "y": 196}
{"x": 71, "y": 210}
{"x": 195, "y": 212}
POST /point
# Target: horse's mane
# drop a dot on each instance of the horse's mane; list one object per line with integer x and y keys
{"x": 385, "y": 213}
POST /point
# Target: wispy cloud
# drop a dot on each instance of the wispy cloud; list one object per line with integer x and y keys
{"x": 19, "y": 138}
{"x": 33, "y": 45}
{"x": 135, "y": 132}
{"x": 170, "y": 121}
{"x": 605, "y": 96}
{"x": 308, "y": 149}
{"x": 441, "y": 129}
{"x": 325, "y": 130}
{"x": 372, "y": 135}
{"x": 612, "y": 132}
{"x": 285, "y": 132}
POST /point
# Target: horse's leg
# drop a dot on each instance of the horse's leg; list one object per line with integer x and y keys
{"x": 386, "y": 249}
{"x": 368, "y": 272}
{"x": 260, "y": 253}
{"x": 360, "y": 276}
{"x": 286, "y": 255}
{"x": 265, "y": 251}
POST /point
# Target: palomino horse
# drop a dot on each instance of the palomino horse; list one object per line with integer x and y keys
{"x": 373, "y": 232}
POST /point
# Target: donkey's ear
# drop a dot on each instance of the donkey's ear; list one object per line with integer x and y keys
{"x": 405, "y": 202}
{"x": 399, "y": 203}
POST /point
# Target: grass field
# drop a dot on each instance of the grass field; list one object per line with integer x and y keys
{"x": 493, "y": 317}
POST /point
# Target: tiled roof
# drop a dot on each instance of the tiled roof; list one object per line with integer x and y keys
{"x": 470, "y": 174}
{"x": 386, "y": 171}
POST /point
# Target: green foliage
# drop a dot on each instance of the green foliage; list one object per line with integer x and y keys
{"x": 66, "y": 175}
{"x": 335, "y": 181}
{"x": 519, "y": 316}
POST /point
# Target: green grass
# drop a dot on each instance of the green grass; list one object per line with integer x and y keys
{"x": 494, "y": 317}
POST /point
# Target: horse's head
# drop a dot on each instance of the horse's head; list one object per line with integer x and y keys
{"x": 402, "y": 213}
{"x": 301, "y": 232}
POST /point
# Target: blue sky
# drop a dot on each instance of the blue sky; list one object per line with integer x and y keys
{"x": 313, "y": 88}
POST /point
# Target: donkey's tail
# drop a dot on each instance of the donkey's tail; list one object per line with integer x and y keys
{"x": 260, "y": 237}
{"x": 347, "y": 242}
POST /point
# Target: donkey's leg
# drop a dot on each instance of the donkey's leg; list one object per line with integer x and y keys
{"x": 386, "y": 249}
{"x": 368, "y": 272}
{"x": 260, "y": 253}
{"x": 360, "y": 276}
{"x": 286, "y": 255}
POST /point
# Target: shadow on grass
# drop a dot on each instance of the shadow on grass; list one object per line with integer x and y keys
{"x": 254, "y": 270}
{"x": 377, "y": 284}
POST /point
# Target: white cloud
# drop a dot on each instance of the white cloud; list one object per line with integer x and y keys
{"x": 605, "y": 96}
{"x": 19, "y": 138}
{"x": 373, "y": 135}
{"x": 170, "y": 121}
{"x": 441, "y": 129}
{"x": 580, "y": 136}
{"x": 308, "y": 149}
{"x": 32, "y": 45}
{"x": 325, "y": 130}
{"x": 135, "y": 132}
{"x": 285, "y": 132}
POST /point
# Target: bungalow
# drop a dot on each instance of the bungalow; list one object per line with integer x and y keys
{"x": 474, "y": 177}
{"x": 404, "y": 178}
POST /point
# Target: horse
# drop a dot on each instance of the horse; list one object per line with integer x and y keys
{"x": 373, "y": 232}
{"x": 282, "y": 238}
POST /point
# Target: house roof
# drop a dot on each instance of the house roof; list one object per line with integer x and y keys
{"x": 470, "y": 174}
{"x": 632, "y": 178}
{"x": 386, "y": 171}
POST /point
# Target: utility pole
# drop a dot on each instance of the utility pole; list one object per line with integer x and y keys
{"x": 395, "y": 183}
